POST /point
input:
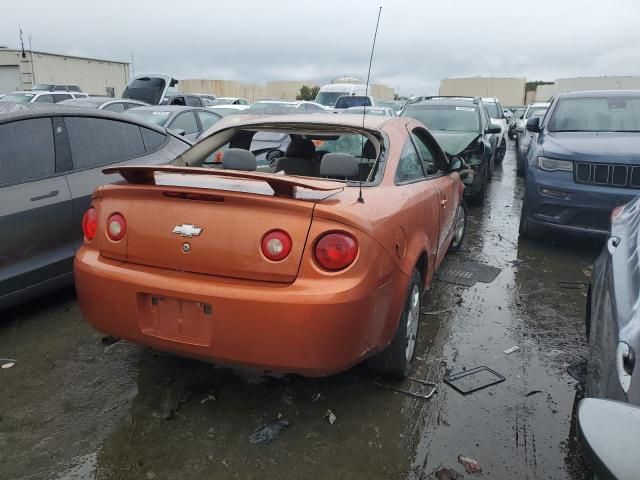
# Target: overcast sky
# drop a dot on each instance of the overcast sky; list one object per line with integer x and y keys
{"x": 419, "y": 41}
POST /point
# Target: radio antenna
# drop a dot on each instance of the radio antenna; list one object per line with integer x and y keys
{"x": 364, "y": 108}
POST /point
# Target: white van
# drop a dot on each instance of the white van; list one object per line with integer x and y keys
{"x": 328, "y": 94}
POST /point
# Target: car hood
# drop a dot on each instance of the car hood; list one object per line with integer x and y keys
{"x": 454, "y": 142}
{"x": 620, "y": 147}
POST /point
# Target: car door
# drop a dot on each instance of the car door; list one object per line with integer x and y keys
{"x": 99, "y": 142}
{"x": 185, "y": 121}
{"x": 419, "y": 213}
{"x": 35, "y": 210}
{"x": 445, "y": 185}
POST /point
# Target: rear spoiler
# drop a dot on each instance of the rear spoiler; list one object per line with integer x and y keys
{"x": 281, "y": 185}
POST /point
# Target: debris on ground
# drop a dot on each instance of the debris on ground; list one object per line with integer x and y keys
{"x": 410, "y": 391}
{"x": 578, "y": 371}
{"x": 509, "y": 351}
{"x": 7, "y": 362}
{"x": 173, "y": 395}
{"x": 268, "y": 432}
{"x": 448, "y": 474}
{"x": 533, "y": 392}
{"x": 474, "y": 379}
{"x": 330, "y": 416}
{"x": 470, "y": 465}
{"x": 208, "y": 398}
{"x": 435, "y": 312}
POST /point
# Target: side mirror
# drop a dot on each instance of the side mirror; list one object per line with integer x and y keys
{"x": 495, "y": 129}
{"x": 179, "y": 131}
{"x": 455, "y": 163}
{"x": 533, "y": 124}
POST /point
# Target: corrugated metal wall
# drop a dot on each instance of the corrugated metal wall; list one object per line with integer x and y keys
{"x": 510, "y": 91}
{"x": 94, "y": 76}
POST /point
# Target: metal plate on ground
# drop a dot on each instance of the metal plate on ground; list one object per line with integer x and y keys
{"x": 467, "y": 273}
{"x": 474, "y": 379}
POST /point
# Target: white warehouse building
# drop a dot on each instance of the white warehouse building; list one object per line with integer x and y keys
{"x": 21, "y": 70}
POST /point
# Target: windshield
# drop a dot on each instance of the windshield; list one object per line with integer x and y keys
{"x": 535, "y": 111}
{"x": 156, "y": 117}
{"x": 328, "y": 99}
{"x": 352, "y": 101}
{"x": 146, "y": 89}
{"x": 445, "y": 117}
{"x": 599, "y": 114}
{"x": 47, "y": 87}
{"x": 17, "y": 97}
{"x": 492, "y": 109}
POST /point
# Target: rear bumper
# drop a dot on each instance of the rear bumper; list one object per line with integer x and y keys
{"x": 312, "y": 327}
{"x": 555, "y": 201}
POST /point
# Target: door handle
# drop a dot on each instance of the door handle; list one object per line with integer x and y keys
{"x": 51, "y": 194}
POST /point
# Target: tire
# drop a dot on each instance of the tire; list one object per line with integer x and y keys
{"x": 478, "y": 198}
{"x": 460, "y": 228}
{"x": 527, "y": 229}
{"x": 587, "y": 315}
{"x": 492, "y": 162}
{"x": 396, "y": 359}
{"x": 501, "y": 151}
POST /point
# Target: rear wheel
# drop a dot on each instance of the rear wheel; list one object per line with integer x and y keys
{"x": 528, "y": 229}
{"x": 460, "y": 228}
{"x": 396, "y": 359}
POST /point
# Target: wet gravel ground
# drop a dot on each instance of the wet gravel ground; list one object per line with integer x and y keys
{"x": 75, "y": 406}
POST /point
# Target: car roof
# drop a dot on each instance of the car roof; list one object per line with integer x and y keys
{"x": 11, "y": 111}
{"x": 600, "y": 93}
{"x": 167, "y": 108}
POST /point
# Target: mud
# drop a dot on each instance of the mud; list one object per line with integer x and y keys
{"x": 75, "y": 407}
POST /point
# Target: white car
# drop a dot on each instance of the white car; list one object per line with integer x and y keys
{"x": 494, "y": 109}
{"x": 523, "y": 137}
{"x": 230, "y": 101}
{"x": 225, "y": 110}
{"x": 39, "y": 96}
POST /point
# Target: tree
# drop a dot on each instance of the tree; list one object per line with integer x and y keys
{"x": 308, "y": 93}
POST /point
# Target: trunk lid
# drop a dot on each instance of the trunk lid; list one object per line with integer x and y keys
{"x": 211, "y": 226}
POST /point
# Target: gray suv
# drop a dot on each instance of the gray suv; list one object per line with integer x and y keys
{"x": 51, "y": 161}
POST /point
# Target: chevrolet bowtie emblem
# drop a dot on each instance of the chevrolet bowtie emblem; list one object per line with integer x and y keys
{"x": 187, "y": 230}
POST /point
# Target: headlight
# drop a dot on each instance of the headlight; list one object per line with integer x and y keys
{"x": 553, "y": 165}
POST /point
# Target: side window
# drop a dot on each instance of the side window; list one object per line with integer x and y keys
{"x": 207, "y": 119}
{"x": 44, "y": 99}
{"x": 58, "y": 97}
{"x": 431, "y": 164}
{"x": 410, "y": 166}
{"x": 97, "y": 141}
{"x": 152, "y": 140}
{"x": 131, "y": 105}
{"x": 185, "y": 121}
{"x": 22, "y": 159}
{"x": 114, "y": 107}
{"x": 193, "y": 102}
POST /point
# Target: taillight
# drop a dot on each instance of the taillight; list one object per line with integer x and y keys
{"x": 336, "y": 251}
{"x": 90, "y": 224}
{"x": 276, "y": 245}
{"x": 116, "y": 227}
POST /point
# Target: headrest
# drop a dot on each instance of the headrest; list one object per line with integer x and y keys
{"x": 239, "y": 159}
{"x": 301, "y": 148}
{"x": 339, "y": 165}
{"x": 369, "y": 151}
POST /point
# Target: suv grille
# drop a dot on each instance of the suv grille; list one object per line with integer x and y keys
{"x": 623, "y": 176}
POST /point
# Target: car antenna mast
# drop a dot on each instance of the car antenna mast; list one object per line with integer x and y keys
{"x": 364, "y": 108}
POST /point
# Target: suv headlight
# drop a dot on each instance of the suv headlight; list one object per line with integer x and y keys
{"x": 554, "y": 165}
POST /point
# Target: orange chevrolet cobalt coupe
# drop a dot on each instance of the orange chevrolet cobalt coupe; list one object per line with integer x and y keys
{"x": 307, "y": 258}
